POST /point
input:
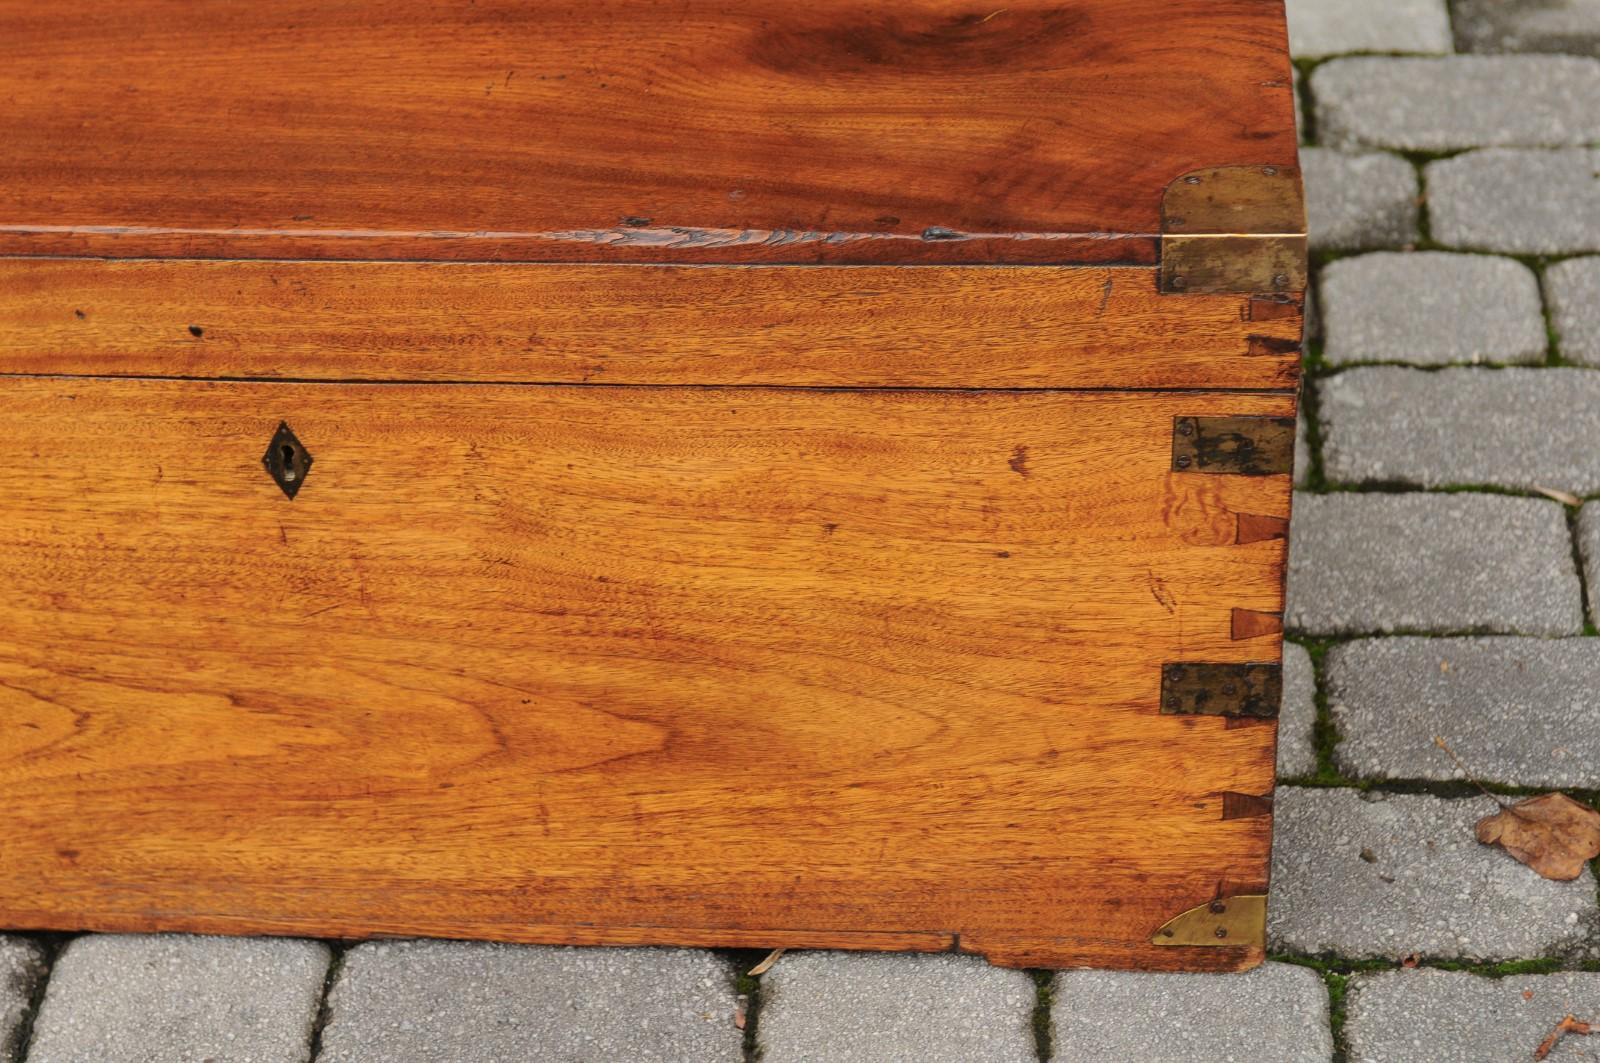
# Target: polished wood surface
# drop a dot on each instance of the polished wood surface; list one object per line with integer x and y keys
{"x": 591, "y": 664}
{"x": 857, "y": 326}
{"x": 626, "y": 130}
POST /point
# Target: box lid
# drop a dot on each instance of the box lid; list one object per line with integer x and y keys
{"x": 883, "y": 131}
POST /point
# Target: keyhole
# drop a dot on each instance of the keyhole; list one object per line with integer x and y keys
{"x": 287, "y": 460}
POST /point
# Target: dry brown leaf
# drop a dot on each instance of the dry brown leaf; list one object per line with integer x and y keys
{"x": 1410, "y": 960}
{"x": 1551, "y": 833}
{"x": 1565, "y": 1026}
{"x": 766, "y": 965}
{"x": 1560, "y": 496}
{"x": 739, "y": 1012}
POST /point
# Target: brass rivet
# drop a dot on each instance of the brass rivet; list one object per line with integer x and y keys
{"x": 1219, "y": 907}
{"x": 1182, "y": 462}
{"x": 1191, "y": 180}
{"x": 1280, "y": 280}
{"x": 1222, "y": 931}
{"x": 1270, "y": 171}
{"x": 1185, "y": 428}
{"x": 1179, "y": 282}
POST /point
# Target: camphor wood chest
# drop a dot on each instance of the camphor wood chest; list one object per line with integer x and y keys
{"x": 705, "y": 473}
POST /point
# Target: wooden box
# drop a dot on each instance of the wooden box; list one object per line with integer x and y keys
{"x": 703, "y": 473}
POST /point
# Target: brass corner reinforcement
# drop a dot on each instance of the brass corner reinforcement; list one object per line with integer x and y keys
{"x": 1234, "y": 229}
{"x": 1226, "y": 922}
{"x": 1237, "y": 446}
{"x": 1245, "y": 690}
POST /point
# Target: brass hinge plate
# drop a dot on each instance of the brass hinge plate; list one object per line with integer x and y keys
{"x": 1234, "y": 229}
{"x": 1227, "y": 922}
{"x": 1251, "y": 690}
{"x": 1240, "y": 446}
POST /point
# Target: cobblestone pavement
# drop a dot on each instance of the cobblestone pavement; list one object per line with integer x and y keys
{"x": 1445, "y": 580}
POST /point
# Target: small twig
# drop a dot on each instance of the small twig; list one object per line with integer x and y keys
{"x": 766, "y": 965}
{"x": 1567, "y": 1025}
{"x": 1439, "y": 741}
{"x": 1560, "y": 496}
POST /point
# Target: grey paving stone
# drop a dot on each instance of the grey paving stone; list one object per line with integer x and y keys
{"x": 1297, "y": 714}
{"x": 1522, "y": 202}
{"x": 1277, "y": 1013}
{"x": 144, "y": 998}
{"x": 462, "y": 1002}
{"x": 1589, "y": 550}
{"x": 1431, "y": 308}
{"x": 1520, "y": 711}
{"x": 1299, "y": 116}
{"x": 1358, "y": 202}
{"x": 21, "y": 967}
{"x": 1330, "y": 27}
{"x": 1572, "y": 291}
{"x": 860, "y": 1007}
{"x": 1430, "y": 1016}
{"x": 1431, "y": 563}
{"x": 1385, "y": 875}
{"x": 1463, "y": 101}
{"x": 1571, "y": 26}
{"x": 1519, "y": 428}
{"x": 1302, "y": 451}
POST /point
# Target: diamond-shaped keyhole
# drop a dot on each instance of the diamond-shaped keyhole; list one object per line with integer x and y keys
{"x": 287, "y": 460}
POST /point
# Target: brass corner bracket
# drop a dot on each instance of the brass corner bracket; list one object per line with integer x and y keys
{"x": 1237, "y": 446}
{"x": 1234, "y": 229}
{"x": 1249, "y": 691}
{"x": 1227, "y": 922}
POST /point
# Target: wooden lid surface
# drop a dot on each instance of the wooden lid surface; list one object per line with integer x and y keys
{"x": 844, "y": 131}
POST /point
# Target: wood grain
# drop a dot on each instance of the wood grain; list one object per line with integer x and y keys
{"x": 626, "y": 130}
{"x": 857, "y": 326}
{"x": 701, "y": 666}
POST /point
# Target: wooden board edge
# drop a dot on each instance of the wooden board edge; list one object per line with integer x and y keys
{"x": 510, "y": 933}
{"x": 1113, "y": 956}
{"x": 1056, "y": 954}
{"x": 618, "y": 246}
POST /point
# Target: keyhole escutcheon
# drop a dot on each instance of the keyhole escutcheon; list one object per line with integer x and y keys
{"x": 287, "y": 461}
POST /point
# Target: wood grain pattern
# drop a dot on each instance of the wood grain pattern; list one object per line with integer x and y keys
{"x": 626, "y": 130}
{"x": 587, "y": 664}
{"x": 858, "y": 326}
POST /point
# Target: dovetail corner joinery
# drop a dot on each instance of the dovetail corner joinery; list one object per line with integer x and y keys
{"x": 1237, "y": 229}
{"x": 1222, "y": 923}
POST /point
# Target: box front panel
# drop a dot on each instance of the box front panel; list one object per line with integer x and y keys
{"x": 878, "y": 669}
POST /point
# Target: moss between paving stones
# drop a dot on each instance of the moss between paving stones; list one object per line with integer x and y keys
{"x": 1043, "y": 1033}
{"x": 748, "y": 986}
